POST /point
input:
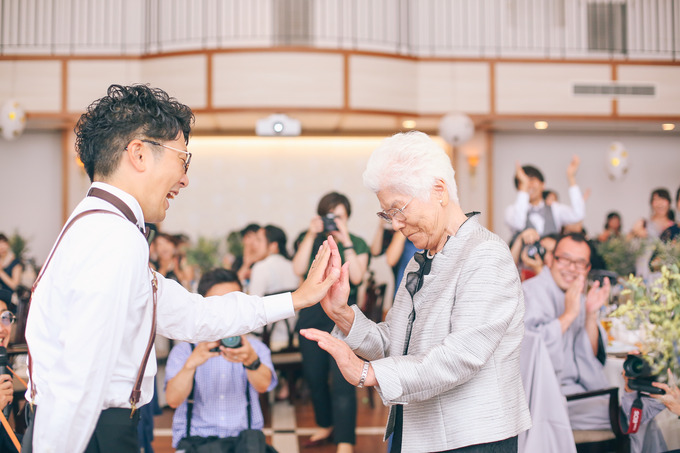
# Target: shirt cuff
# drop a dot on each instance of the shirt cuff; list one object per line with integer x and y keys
{"x": 278, "y": 306}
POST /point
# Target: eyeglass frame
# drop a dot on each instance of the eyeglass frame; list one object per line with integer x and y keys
{"x": 12, "y": 318}
{"x": 186, "y": 162}
{"x": 567, "y": 262}
{"x": 384, "y": 214}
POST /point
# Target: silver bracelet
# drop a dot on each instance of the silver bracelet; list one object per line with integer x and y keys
{"x": 364, "y": 373}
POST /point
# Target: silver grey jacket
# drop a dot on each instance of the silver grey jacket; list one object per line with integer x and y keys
{"x": 460, "y": 382}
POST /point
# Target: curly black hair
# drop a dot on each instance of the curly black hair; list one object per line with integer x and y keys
{"x": 126, "y": 113}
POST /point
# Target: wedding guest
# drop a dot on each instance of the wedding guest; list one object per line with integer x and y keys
{"x": 219, "y": 377}
{"x": 11, "y": 267}
{"x": 334, "y": 399}
{"x": 661, "y": 219}
{"x": 612, "y": 227}
{"x": 567, "y": 321}
{"x": 530, "y": 210}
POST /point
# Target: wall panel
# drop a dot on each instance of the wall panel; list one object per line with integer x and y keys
{"x": 525, "y": 88}
{"x": 278, "y": 79}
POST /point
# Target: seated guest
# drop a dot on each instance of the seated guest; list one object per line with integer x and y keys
{"x": 567, "y": 321}
{"x": 274, "y": 274}
{"x": 531, "y": 211}
{"x": 254, "y": 249}
{"x": 7, "y": 319}
{"x": 219, "y": 379}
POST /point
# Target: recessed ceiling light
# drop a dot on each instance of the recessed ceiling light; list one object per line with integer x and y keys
{"x": 668, "y": 126}
{"x": 540, "y": 125}
{"x": 408, "y": 124}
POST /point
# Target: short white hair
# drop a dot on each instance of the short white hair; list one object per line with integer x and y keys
{"x": 409, "y": 163}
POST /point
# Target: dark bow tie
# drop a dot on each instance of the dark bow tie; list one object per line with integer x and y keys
{"x": 414, "y": 280}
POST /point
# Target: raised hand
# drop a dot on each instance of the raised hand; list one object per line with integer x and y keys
{"x": 349, "y": 364}
{"x": 6, "y": 390}
{"x": 335, "y": 301}
{"x": 319, "y": 279}
{"x": 597, "y": 296}
{"x": 522, "y": 178}
{"x": 572, "y": 169}
{"x": 244, "y": 354}
{"x": 201, "y": 353}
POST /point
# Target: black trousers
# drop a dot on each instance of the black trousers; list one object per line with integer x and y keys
{"x": 335, "y": 403}
{"x": 502, "y": 446}
{"x": 115, "y": 432}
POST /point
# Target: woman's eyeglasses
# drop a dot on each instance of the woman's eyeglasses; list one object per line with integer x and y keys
{"x": 7, "y": 318}
{"x": 394, "y": 213}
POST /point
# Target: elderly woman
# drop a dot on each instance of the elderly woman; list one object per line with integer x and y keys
{"x": 446, "y": 359}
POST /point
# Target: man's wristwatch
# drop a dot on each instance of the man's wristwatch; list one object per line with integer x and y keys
{"x": 253, "y": 366}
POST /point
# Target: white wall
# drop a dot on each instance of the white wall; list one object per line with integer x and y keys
{"x": 31, "y": 189}
{"x": 278, "y": 180}
{"x": 654, "y": 161}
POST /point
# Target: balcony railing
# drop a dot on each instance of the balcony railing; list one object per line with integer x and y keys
{"x": 545, "y": 29}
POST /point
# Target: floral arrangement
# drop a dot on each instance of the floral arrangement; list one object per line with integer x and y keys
{"x": 655, "y": 309}
{"x": 620, "y": 254}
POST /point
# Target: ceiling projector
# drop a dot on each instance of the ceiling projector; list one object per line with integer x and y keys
{"x": 278, "y": 124}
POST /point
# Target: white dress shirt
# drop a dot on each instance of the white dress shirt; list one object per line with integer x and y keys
{"x": 270, "y": 276}
{"x": 90, "y": 322}
{"x": 516, "y": 213}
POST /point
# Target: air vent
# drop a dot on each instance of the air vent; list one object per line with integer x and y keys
{"x": 613, "y": 89}
{"x": 293, "y": 22}
{"x": 607, "y": 27}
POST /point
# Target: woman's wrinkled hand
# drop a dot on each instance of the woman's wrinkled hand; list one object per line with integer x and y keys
{"x": 349, "y": 364}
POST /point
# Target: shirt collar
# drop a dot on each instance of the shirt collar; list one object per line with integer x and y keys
{"x": 126, "y": 198}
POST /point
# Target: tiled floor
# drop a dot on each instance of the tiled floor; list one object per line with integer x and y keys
{"x": 288, "y": 426}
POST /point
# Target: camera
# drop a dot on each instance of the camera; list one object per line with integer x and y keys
{"x": 535, "y": 249}
{"x": 229, "y": 342}
{"x": 640, "y": 375}
{"x": 600, "y": 274}
{"x": 329, "y": 222}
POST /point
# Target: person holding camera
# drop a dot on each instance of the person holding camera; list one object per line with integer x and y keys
{"x": 532, "y": 252}
{"x": 566, "y": 318}
{"x": 670, "y": 399}
{"x": 219, "y": 373}
{"x": 335, "y": 404}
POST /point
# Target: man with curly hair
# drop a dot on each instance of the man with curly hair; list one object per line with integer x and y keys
{"x": 97, "y": 305}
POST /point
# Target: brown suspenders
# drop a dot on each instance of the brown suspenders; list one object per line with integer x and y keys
{"x": 136, "y": 391}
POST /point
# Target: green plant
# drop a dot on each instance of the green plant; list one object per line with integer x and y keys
{"x": 620, "y": 254}
{"x": 204, "y": 254}
{"x": 655, "y": 309}
{"x": 19, "y": 245}
{"x": 665, "y": 254}
{"x": 235, "y": 244}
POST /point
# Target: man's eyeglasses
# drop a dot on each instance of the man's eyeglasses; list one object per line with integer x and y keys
{"x": 581, "y": 265}
{"x": 186, "y": 162}
{"x": 394, "y": 213}
{"x": 7, "y": 318}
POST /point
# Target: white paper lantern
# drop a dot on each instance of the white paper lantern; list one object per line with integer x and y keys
{"x": 456, "y": 128}
{"x": 617, "y": 161}
{"x": 12, "y": 119}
